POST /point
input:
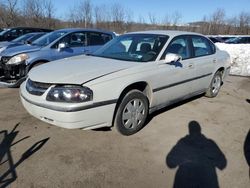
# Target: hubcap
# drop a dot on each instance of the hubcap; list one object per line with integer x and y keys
{"x": 133, "y": 113}
{"x": 216, "y": 84}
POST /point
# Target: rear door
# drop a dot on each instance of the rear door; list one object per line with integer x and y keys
{"x": 95, "y": 40}
{"x": 204, "y": 60}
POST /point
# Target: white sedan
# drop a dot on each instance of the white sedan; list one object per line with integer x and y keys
{"x": 130, "y": 77}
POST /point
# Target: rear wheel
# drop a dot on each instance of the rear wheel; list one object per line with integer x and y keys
{"x": 132, "y": 113}
{"x": 215, "y": 85}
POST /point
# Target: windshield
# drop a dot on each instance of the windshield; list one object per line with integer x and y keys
{"x": 48, "y": 38}
{"x": 233, "y": 39}
{"x": 133, "y": 47}
{"x": 4, "y": 31}
{"x": 23, "y": 38}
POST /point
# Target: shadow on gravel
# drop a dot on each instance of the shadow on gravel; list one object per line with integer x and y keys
{"x": 170, "y": 107}
{"x": 103, "y": 129}
{"x": 197, "y": 158}
{"x": 7, "y": 165}
{"x": 248, "y": 100}
{"x": 151, "y": 116}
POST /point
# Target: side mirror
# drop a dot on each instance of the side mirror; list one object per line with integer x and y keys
{"x": 172, "y": 58}
{"x": 61, "y": 46}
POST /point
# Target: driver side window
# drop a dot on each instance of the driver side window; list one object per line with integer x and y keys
{"x": 72, "y": 40}
{"x": 179, "y": 46}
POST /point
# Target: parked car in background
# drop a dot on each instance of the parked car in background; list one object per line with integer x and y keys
{"x": 239, "y": 40}
{"x": 16, "y": 62}
{"x": 224, "y": 38}
{"x": 12, "y": 33}
{"x": 216, "y": 39}
{"x": 125, "y": 80}
{"x": 24, "y": 39}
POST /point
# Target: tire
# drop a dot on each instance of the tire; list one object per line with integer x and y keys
{"x": 214, "y": 86}
{"x": 131, "y": 113}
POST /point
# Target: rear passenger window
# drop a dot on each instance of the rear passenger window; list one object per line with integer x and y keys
{"x": 202, "y": 46}
{"x": 15, "y": 33}
{"x": 106, "y": 37}
{"x": 95, "y": 39}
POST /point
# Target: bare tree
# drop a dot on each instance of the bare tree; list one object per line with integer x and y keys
{"x": 244, "y": 22}
{"x": 49, "y": 10}
{"x": 166, "y": 22}
{"x": 3, "y": 13}
{"x": 152, "y": 18}
{"x": 176, "y": 17}
{"x": 81, "y": 14}
{"x": 117, "y": 17}
{"x": 85, "y": 10}
{"x": 141, "y": 20}
{"x": 33, "y": 11}
{"x": 217, "y": 21}
{"x": 102, "y": 17}
{"x": 232, "y": 25}
{"x": 11, "y": 17}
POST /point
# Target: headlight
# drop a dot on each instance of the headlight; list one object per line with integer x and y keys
{"x": 17, "y": 59}
{"x": 70, "y": 94}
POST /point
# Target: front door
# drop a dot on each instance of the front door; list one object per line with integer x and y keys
{"x": 173, "y": 81}
{"x": 75, "y": 44}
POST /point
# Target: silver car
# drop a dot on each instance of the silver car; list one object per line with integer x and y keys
{"x": 128, "y": 78}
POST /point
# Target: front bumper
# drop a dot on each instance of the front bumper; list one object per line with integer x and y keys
{"x": 88, "y": 118}
{"x": 11, "y": 83}
{"x": 12, "y": 75}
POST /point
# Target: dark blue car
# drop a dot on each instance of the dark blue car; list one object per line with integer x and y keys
{"x": 24, "y": 39}
{"x": 16, "y": 62}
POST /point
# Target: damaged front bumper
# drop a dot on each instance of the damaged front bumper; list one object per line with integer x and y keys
{"x": 12, "y": 75}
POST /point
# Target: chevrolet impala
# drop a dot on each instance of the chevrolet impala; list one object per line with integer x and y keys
{"x": 130, "y": 77}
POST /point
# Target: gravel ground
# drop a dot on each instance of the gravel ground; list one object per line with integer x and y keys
{"x": 200, "y": 140}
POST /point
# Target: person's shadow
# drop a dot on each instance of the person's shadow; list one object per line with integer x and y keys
{"x": 7, "y": 164}
{"x": 197, "y": 158}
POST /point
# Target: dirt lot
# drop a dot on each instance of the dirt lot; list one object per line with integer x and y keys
{"x": 35, "y": 154}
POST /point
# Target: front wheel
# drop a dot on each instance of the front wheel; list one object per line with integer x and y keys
{"x": 214, "y": 86}
{"x": 132, "y": 113}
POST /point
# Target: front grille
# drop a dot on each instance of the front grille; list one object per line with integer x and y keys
{"x": 36, "y": 88}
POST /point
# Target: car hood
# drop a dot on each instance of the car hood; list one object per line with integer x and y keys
{"x": 9, "y": 44}
{"x": 3, "y": 44}
{"x": 77, "y": 70}
{"x": 20, "y": 49}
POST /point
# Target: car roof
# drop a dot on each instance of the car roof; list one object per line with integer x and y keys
{"x": 27, "y": 28}
{"x": 171, "y": 33}
{"x": 85, "y": 29}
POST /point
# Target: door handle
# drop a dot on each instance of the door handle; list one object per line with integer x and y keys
{"x": 214, "y": 61}
{"x": 190, "y": 65}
